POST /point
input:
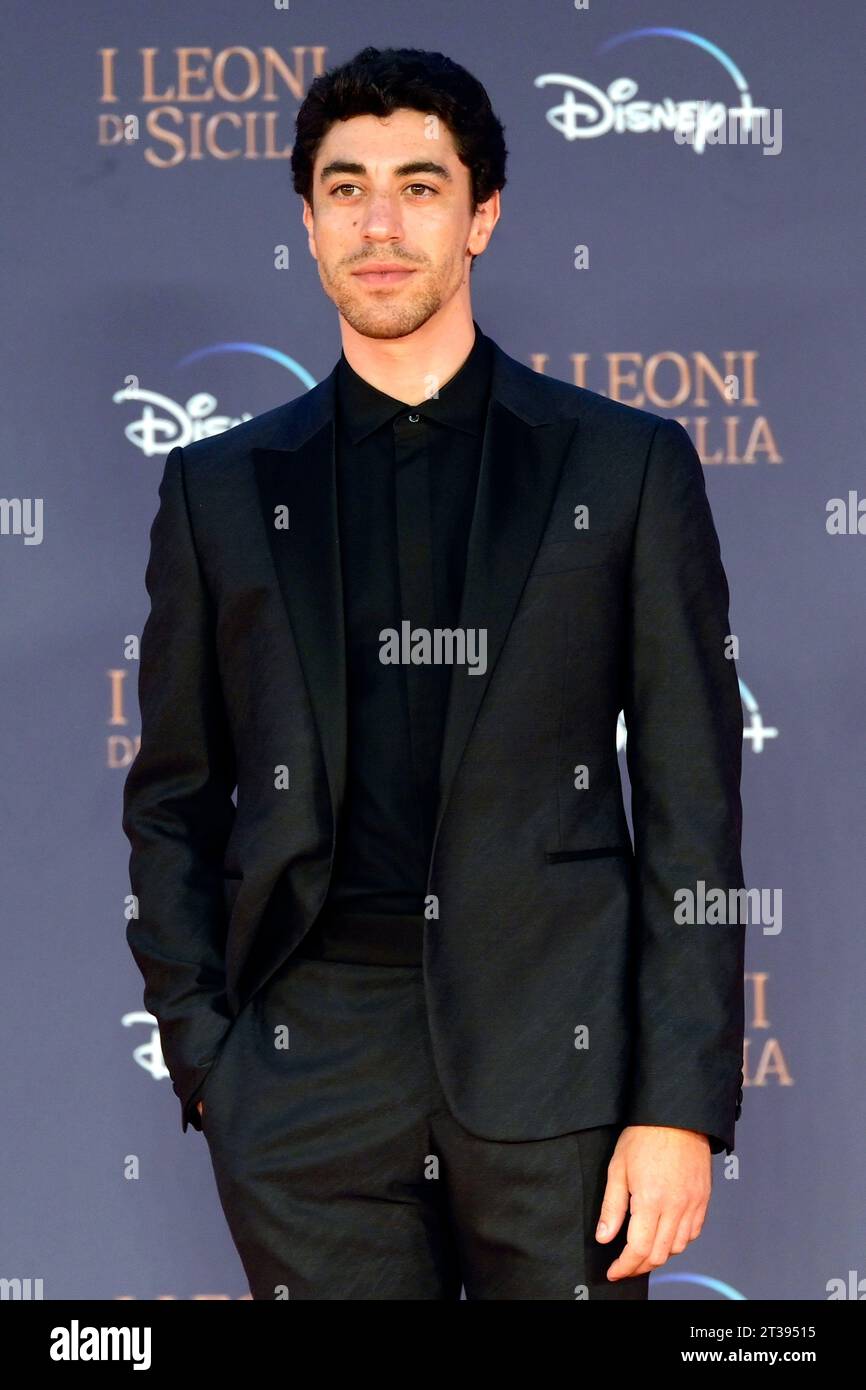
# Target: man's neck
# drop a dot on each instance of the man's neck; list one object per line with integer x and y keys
{"x": 413, "y": 368}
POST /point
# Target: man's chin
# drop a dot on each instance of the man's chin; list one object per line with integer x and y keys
{"x": 384, "y": 319}
{"x": 387, "y": 321}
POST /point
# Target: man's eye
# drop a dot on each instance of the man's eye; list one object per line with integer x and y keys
{"x": 416, "y": 188}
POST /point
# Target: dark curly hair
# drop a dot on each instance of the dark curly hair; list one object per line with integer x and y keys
{"x": 378, "y": 81}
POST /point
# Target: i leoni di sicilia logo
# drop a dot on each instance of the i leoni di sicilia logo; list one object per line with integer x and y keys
{"x": 195, "y": 103}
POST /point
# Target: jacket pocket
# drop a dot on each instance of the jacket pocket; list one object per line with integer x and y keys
{"x": 587, "y": 550}
{"x": 563, "y": 856}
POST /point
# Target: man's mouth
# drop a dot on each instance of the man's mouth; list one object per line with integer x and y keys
{"x": 392, "y": 276}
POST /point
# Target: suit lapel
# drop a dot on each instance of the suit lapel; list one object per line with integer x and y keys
{"x": 306, "y": 557}
{"x": 522, "y": 457}
{"x": 520, "y": 468}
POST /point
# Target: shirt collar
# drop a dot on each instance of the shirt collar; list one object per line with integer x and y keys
{"x": 461, "y": 402}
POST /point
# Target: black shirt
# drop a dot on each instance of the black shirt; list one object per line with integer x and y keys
{"x": 406, "y": 485}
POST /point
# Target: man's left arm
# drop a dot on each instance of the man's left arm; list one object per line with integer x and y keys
{"x": 684, "y": 745}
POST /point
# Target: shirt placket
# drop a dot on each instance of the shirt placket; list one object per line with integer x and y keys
{"x": 417, "y": 597}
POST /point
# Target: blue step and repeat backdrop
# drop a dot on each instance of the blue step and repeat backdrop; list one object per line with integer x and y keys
{"x": 713, "y": 279}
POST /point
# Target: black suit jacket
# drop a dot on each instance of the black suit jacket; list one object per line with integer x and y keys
{"x": 561, "y": 993}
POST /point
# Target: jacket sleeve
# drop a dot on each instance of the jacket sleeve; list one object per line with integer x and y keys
{"x": 684, "y": 748}
{"x": 177, "y": 806}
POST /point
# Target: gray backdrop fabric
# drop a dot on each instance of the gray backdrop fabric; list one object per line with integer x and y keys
{"x": 144, "y": 307}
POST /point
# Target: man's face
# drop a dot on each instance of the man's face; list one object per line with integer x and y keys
{"x": 391, "y": 191}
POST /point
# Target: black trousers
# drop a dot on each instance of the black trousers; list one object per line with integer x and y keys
{"x": 343, "y": 1174}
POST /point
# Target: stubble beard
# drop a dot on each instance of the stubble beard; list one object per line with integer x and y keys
{"x": 386, "y": 318}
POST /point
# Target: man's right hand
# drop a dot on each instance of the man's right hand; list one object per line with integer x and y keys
{"x": 200, "y": 1105}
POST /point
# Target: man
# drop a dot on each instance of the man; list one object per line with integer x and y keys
{"x": 434, "y": 1012}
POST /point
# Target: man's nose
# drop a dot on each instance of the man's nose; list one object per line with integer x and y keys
{"x": 382, "y": 217}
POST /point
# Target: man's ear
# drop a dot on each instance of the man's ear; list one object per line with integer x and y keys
{"x": 485, "y": 219}
{"x": 307, "y": 216}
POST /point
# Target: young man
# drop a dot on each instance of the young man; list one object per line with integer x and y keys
{"x": 434, "y": 1013}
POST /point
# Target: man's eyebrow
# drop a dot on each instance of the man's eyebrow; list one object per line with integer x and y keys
{"x": 415, "y": 166}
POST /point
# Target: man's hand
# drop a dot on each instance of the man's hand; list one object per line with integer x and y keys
{"x": 668, "y": 1173}
{"x": 200, "y": 1106}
